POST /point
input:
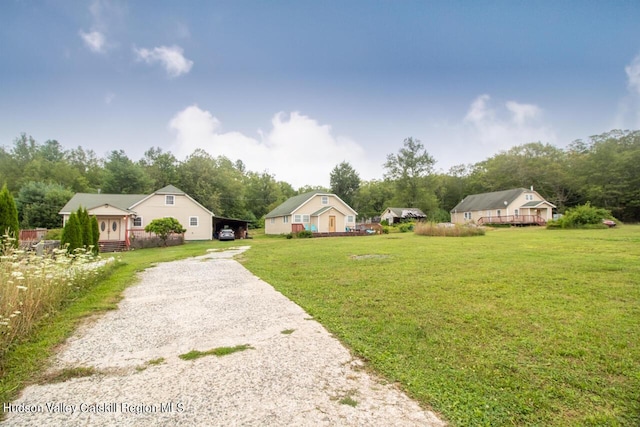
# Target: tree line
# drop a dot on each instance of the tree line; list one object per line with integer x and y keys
{"x": 602, "y": 170}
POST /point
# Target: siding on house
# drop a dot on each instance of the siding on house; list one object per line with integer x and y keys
{"x": 519, "y": 201}
{"x": 122, "y": 208}
{"x": 310, "y": 205}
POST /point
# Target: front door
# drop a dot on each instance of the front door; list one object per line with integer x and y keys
{"x": 332, "y": 224}
{"x": 110, "y": 228}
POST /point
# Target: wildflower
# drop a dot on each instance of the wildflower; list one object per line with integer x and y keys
{"x": 22, "y": 288}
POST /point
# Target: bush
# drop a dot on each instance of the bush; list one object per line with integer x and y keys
{"x": 53, "y": 234}
{"x": 583, "y": 216}
{"x": 385, "y": 229}
{"x": 163, "y": 227}
{"x": 304, "y": 234}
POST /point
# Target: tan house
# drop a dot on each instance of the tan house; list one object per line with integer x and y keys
{"x": 123, "y": 216}
{"x": 314, "y": 211}
{"x": 518, "y": 206}
{"x": 395, "y": 215}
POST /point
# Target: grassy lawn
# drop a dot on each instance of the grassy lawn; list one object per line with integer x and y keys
{"x": 518, "y": 327}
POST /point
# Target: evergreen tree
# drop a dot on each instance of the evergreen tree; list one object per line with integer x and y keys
{"x": 95, "y": 234}
{"x": 72, "y": 233}
{"x": 8, "y": 216}
{"x": 85, "y": 227}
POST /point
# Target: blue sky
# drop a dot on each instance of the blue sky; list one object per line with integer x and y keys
{"x": 296, "y": 87}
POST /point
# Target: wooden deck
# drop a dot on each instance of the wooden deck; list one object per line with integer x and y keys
{"x": 517, "y": 220}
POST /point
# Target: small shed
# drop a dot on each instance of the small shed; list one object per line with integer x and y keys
{"x": 395, "y": 215}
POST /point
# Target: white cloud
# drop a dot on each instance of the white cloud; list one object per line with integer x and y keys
{"x": 633, "y": 74}
{"x": 297, "y": 149}
{"x": 171, "y": 58}
{"x": 94, "y": 40}
{"x": 499, "y": 129}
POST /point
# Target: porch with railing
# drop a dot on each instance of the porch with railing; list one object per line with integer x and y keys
{"x": 512, "y": 220}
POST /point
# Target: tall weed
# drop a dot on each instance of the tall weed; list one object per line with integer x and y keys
{"x": 32, "y": 287}
{"x": 447, "y": 230}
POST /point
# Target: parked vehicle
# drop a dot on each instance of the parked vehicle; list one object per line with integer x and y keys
{"x": 226, "y": 234}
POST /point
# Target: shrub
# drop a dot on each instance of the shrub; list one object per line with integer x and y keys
{"x": 448, "y": 230}
{"x": 583, "y": 216}
{"x": 53, "y": 234}
{"x": 304, "y": 234}
{"x": 162, "y": 227}
{"x": 385, "y": 229}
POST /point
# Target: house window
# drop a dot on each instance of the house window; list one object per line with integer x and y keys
{"x": 467, "y": 215}
{"x": 517, "y": 212}
{"x": 498, "y": 212}
{"x": 297, "y": 218}
{"x": 137, "y": 221}
{"x": 350, "y": 218}
{"x": 528, "y": 197}
{"x": 169, "y": 200}
{"x": 305, "y": 219}
{"x": 193, "y": 221}
{"x": 325, "y": 200}
{"x": 285, "y": 219}
{"x": 273, "y": 221}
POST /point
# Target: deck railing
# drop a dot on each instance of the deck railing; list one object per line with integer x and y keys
{"x": 513, "y": 219}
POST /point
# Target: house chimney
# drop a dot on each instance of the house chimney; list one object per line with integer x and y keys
{"x": 532, "y": 188}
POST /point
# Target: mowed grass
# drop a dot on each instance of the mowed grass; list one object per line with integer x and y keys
{"x": 517, "y": 327}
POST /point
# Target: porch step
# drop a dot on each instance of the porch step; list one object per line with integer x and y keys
{"x": 112, "y": 246}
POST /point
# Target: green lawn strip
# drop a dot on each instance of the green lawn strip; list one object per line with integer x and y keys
{"x": 25, "y": 361}
{"x": 219, "y": 351}
{"x": 518, "y": 327}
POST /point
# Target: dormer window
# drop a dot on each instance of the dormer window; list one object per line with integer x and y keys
{"x": 169, "y": 200}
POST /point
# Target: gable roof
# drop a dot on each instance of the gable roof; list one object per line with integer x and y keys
{"x": 292, "y": 204}
{"x": 124, "y": 202}
{"x": 487, "y": 201}
{"x": 407, "y": 212}
{"x": 93, "y": 200}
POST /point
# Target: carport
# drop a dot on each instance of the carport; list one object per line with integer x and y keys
{"x": 239, "y": 226}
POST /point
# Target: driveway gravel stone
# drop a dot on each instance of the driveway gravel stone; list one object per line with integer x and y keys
{"x": 302, "y": 378}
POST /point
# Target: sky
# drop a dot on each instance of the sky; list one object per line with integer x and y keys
{"x": 293, "y": 88}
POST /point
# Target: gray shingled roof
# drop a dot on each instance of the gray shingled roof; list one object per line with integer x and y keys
{"x": 488, "y": 201}
{"x": 120, "y": 201}
{"x": 91, "y": 200}
{"x": 291, "y": 204}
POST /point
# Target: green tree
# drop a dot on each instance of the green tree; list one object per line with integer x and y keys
{"x": 345, "y": 182}
{"x": 122, "y": 176}
{"x": 163, "y": 227}
{"x": 160, "y": 167}
{"x": 39, "y": 203}
{"x": 372, "y": 198}
{"x": 262, "y": 193}
{"x": 8, "y": 216}
{"x": 85, "y": 227}
{"x": 72, "y": 233}
{"x": 95, "y": 234}
{"x": 408, "y": 170}
{"x": 195, "y": 176}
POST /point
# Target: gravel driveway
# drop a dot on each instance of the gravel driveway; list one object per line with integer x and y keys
{"x": 302, "y": 377}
